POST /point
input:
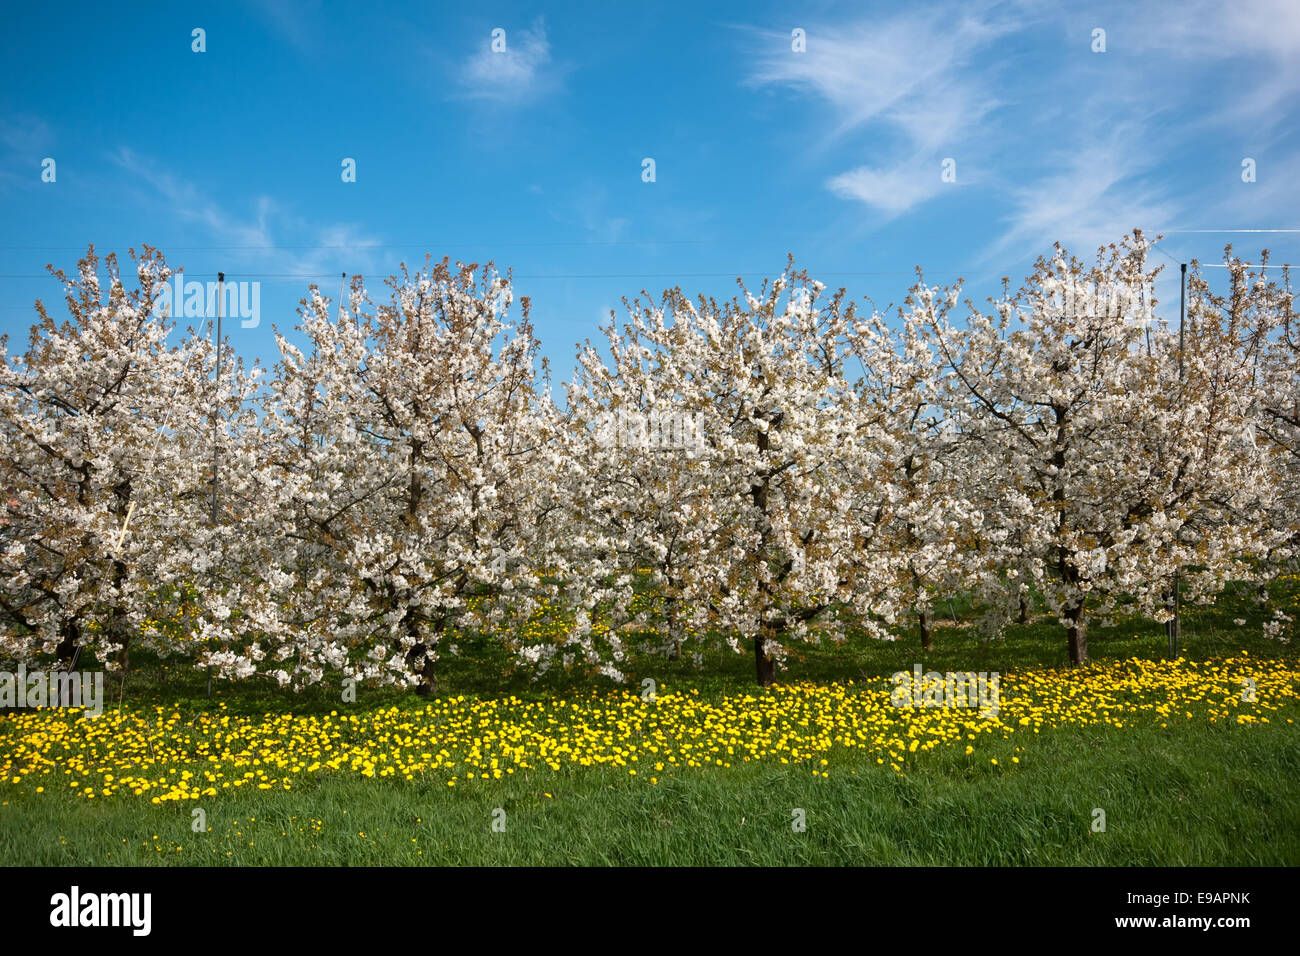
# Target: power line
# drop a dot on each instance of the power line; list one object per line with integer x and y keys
{"x": 1211, "y": 265}
{"x": 1224, "y": 265}
{"x": 1156, "y": 247}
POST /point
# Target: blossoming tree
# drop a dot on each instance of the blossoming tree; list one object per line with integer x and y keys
{"x": 98, "y": 420}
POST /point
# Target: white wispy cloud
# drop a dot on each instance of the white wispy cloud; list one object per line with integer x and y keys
{"x": 891, "y": 191}
{"x": 1095, "y": 146}
{"x": 917, "y": 78}
{"x": 24, "y": 142}
{"x": 906, "y": 71}
{"x": 1254, "y": 45}
{"x": 251, "y": 239}
{"x": 1098, "y": 193}
{"x": 1131, "y": 127}
{"x": 25, "y": 134}
{"x": 589, "y": 210}
{"x": 299, "y": 22}
{"x": 522, "y": 72}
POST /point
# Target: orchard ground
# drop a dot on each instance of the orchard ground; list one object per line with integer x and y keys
{"x": 1132, "y": 760}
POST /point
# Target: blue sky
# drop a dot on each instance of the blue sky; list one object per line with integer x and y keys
{"x": 230, "y": 159}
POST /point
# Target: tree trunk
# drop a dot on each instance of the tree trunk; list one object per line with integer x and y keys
{"x": 922, "y": 614}
{"x": 422, "y": 665}
{"x": 68, "y": 646}
{"x": 1024, "y": 608}
{"x": 117, "y": 630}
{"x": 1077, "y": 631}
{"x": 1076, "y": 625}
{"x": 765, "y": 663}
{"x": 1174, "y": 626}
{"x": 674, "y": 632}
{"x": 68, "y": 651}
{"x": 118, "y": 633}
{"x": 418, "y": 659}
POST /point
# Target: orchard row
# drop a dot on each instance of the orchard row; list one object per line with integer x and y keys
{"x": 776, "y": 468}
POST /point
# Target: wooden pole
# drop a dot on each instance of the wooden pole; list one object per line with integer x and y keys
{"x": 216, "y": 449}
{"x": 1174, "y": 628}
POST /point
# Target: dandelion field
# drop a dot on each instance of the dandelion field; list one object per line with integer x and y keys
{"x": 1187, "y": 767}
